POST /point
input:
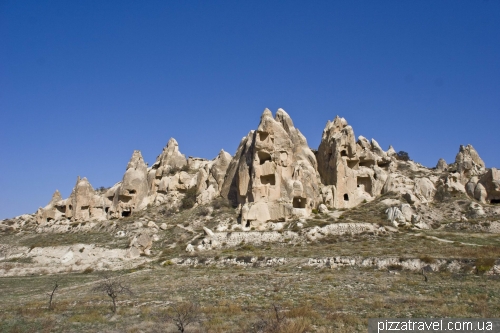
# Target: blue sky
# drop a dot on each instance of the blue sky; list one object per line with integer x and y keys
{"x": 84, "y": 83}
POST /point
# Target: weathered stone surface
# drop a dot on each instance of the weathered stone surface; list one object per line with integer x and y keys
{"x": 468, "y": 163}
{"x": 442, "y": 165}
{"x": 490, "y": 182}
{"x": 132, "y": 194}
{"x": 273, "y": 174}
{"x": 357, "y": 171}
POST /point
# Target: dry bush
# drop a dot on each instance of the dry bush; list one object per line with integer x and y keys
{"x": 113, "y": 287}
{"x": 427, "y": 259}
{"x": 183, "y": 314}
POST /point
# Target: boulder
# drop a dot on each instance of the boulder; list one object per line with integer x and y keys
{"x": 490, "y": 182}
{"x": 322, "y": 209}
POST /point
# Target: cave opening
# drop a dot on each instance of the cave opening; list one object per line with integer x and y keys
{"x": 263, "y": 136}
{"x": 126, "y": 213}
{"x": 495, "y": 201}
{"x": 343, "y": 153}
{"x": 263, "y": 157}
{"x": 299, "y": 202}
{"x": 346, "y": 197}
{"x": 268, "y": 179}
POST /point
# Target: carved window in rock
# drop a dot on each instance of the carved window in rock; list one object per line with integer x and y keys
{"x": 299, "y": 202}
{"x": 495, "y": 201}
{"x": 352, "y": 164}
{"x": 263, "y": 136}
{"x": 61, "y": 209}
{"x": 126, "y": 213}
{"x": 365, "y": 183}
{"x": 268, "y": 179}
{"x": 346, "y": 197}
{"x": 263, "y": 157}
{"x": 366, "y": 163}
{"x": 343, "y": 153}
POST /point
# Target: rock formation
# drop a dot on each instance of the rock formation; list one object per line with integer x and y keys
{"x": 355, "y": 171}
{"x": 273, "y": 175}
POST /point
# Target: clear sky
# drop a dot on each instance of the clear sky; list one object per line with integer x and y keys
{"x": 84, "y": 83}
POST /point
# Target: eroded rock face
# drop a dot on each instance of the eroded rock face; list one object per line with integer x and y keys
{"x": 488, "y": 187}
{"x": 84, "y": 203}
{"x": 357, "y": 171}
{"x": 132, "y": 193}
{"x": 442, "y": 165}
{"x": 166, "y": 163}
{"x": 211, "y": 177}
{"x": 468, "y": 163}
{"x": 273, "y": 174}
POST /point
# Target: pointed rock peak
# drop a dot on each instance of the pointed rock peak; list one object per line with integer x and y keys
{"x": 136, "y": 160}
{"x": 375, "y": 144}
{"x": 337, "y": 125}
{"x": 441, "y": 165}
{"x": 56, "y": 194}
{"x": 172, "y": 143}
{"x": 266, "y": 113}
{"x": 391, "y": 151}
{"x": 284, "y": 119}
{"x": 468, "y": 153}
{"x": 55, "y": 197}
{"x": 223, "y": 154}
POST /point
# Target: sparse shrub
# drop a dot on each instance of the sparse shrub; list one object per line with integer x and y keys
{"x": 184, "y": 314}
{"x": 204, "y": 211}
{"x": 189, "y": 199}
{"x": 315, "y": 211}
{"x": 246, "y": 259}
{"x": 220, "y": 202}
{"x": 427, "y": 259}
{"x": 185, "y": 168}
{"x": 395, "y": 267}
{"x": 88, "y": 270}
{"x": 166, "y": 212}
{"x": 402, "y": 156}
{"x": 174, "y": 170}
{"x": 113, "y": 287}
{"x": 484, "y": 264}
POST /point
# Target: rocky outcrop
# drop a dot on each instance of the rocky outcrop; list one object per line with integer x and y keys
{"x": 132, "y": 193}
{"x": 356, "y": 171}
{"x": 273, "y": 175}
{"x": 210, "y": 178}
{"x": 468, "y": 163}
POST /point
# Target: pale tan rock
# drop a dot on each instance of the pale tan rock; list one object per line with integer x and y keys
{"x": 480, "y": 193}
{"x": 490, "y": 181}
{"x": 163, "y": 226}
{"x": 468, "y": 163}
{"x": 322, "y": 209}
{"x": 167, "y": 164}
{"x": 132, "y": 193}
{"x": 442, "y": 165}
{"x": 273, "y": 172}
{"x": 358, "y": 171}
